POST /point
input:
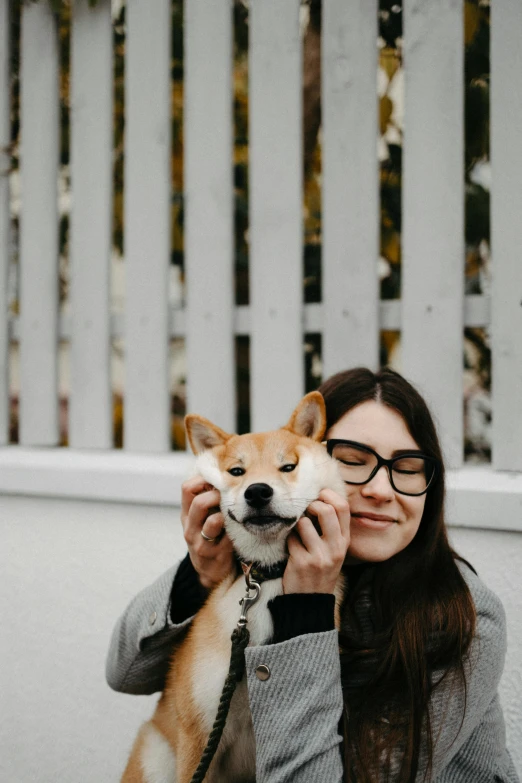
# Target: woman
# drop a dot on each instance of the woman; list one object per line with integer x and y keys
{"x": 422, "y": 639}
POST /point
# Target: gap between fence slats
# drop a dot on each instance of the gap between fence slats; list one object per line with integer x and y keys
{"x": 147, "y": 225}
{"x": 433, "y": 199}
{"x": 506, "y": 209}
{"x": 275, "y": 192}
{"x": 39, "y": 123}
{"x": 350, "y": 185}
{"x": 4, "y": 219}
{"x": 208, "y": 214}
{"x": 90, "y": 409}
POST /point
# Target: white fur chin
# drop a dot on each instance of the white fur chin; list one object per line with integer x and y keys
{"x": 254, "y": 547}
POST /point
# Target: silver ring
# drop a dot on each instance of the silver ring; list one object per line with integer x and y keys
{"x": 207, "y": 538}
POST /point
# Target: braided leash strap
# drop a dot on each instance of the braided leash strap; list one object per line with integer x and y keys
{"x": 240, "y": 638}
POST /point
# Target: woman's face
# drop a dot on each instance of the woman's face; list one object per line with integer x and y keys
{"x": 383, "y": 522}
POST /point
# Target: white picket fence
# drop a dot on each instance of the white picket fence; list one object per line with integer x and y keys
{"x": 431, "y": 314}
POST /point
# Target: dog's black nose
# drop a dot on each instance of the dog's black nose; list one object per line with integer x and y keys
{"x": 258, "y": 495}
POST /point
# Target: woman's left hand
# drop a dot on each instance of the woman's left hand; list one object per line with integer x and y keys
{"x": 315, "y": 561}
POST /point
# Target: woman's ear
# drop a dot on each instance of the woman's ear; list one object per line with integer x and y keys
{"x": 309, "y": 418}
{"x": 202, "y": 434}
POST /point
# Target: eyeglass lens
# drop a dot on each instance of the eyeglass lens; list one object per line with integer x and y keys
{"x": 410, "y": 475}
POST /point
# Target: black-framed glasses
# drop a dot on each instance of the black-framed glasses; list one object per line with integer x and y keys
{"x": 411, "y": 473}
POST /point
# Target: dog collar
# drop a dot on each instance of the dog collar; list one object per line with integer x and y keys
{"x": 261, "y": 573}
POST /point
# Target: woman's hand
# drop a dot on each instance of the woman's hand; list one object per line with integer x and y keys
{"x": 213, "y": 560}
{"x": 315, "y": 561}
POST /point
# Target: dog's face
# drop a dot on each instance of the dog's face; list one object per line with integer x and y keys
{"x": 266, "y": 480}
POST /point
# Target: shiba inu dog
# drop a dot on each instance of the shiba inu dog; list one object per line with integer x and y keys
{"x": 266, "y": 482}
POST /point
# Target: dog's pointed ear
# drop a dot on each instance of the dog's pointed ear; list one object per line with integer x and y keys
{"x": 309, "y": 418}
{"x": 202, "y": 434}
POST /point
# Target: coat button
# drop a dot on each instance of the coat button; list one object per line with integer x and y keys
{"x": 262, "y": 672}
{"x": 152, "y": 618}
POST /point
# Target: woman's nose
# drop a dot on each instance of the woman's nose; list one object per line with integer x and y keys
{"x": 380, "y": 486}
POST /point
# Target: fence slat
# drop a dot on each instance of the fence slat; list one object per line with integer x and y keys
{"x": 147, "y": 225}
{"x": 39, "y": 122}
{"x": 4, "y": 220}
{"x": 208, "y": 186}
{"x": 350, "y": 185}
{"x": 506, "y": 209}
{"x": 433, "y": 244}
{"x": 276, "y": 277}
{"x": 90, "y": 419}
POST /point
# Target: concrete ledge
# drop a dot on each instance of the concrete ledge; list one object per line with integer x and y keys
{"x": 478, "y": 497}
{"x": 94, "y": 475}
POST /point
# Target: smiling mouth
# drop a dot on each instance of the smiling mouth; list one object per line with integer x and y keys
{"x": 373, "y": 522}
{"x": 264, "y": 521}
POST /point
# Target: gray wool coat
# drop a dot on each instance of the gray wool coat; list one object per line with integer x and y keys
{"x": 296, "y": 711}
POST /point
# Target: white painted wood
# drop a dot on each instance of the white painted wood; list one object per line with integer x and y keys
{"x": 39, "y": 123}
{"x": 432, "y": 239}
{"x": 350, "y": 192}
{"x": 477, "y": 311}
{"x": 4, "y": 219}
{"x": 209, "y": 217}
{"x": 506, "y": 210}
{"x": 477, "y": 314}
{"x": 275, "y": 170}
{"x": 147, "y": 225}
{"x": 90, "y": 408}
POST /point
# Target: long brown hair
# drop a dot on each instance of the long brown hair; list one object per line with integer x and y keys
{"x": 423, "y": 615}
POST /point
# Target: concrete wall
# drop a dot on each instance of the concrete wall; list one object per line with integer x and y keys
{"x": 68, "y": 570}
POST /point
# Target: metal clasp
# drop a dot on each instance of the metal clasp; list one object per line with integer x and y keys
{"x": 248, "y": 600}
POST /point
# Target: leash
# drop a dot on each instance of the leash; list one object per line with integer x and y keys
{"x": 240, "y": 638}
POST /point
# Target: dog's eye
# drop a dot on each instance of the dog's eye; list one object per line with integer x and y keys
{"x": 287, "y": 468}
{"x": 237, "y": 471}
